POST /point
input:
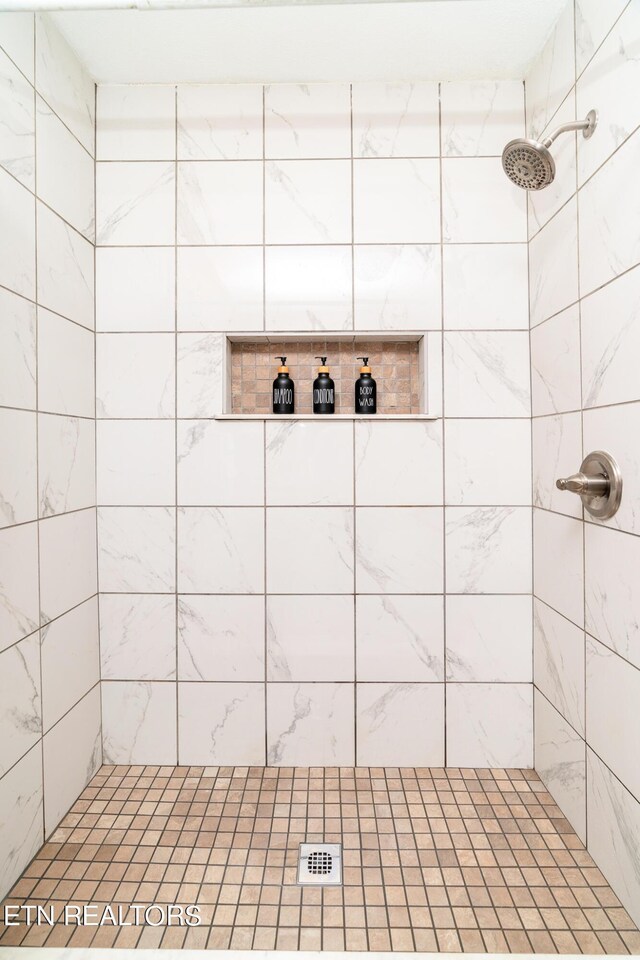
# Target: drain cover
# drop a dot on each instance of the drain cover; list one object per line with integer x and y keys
{"x": 320, "y": 863}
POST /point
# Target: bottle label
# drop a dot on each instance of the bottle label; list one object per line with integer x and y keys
{"x": 324, "y": 395}
{"x": 282, "y": 395}
{"x": 365, "y": 391}
{"x": 365, "y": 401}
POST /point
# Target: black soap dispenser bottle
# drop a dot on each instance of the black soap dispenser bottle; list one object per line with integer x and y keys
{"x": 283, "y": 389}
{"x": 365, "y": 389}
{"x": 324, "y": 391}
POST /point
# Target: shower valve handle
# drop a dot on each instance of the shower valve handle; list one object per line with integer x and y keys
{"x": 598, "y": 483}
{"x": 582, "y": 484}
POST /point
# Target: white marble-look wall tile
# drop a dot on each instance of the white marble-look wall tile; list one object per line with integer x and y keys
{"x": 553, "y": 74}
{"x": 200, "y": 380}
{"x": 65, "y": 269}
{"x": 65, "y": 172}
{"x": 398, "y": 464}
{"x": 139, "y": 722}
{"x": 17, "y": 126}
{"x": 558, "y": 563}
{"x": 67, "y": 562}
{"x": 17, "y": 40}
{"x": 613, "y": 827}
{"x": 64, "y": 83}
{"x": 18, "y": 476}
{"x": 395, "y": 119}
{"x": 220, "y": 550}
{"x": 17, "y": 351}
{"x": 308, "y": 288}
{"x": 221, "y": 723}
{"x": 310, "y": 638}
{"x": 561, "y": 763}
{"x": 307, "y": 201}
{"x": 17, "y": 238}
{"x": 489, "y": 639}
{"x": 555, "y": 364}
{"x": 19, "y": 607}
{"x": 478, "y": 118}
{"x": 72, "y": 755}
{"x": 611, "y": 589}
{"x": 220, "y": 121}
{"x": 608, "y": 372}
{"x": 220, "y": 463}
{"x": 137, "y": 549}
{"x": 543, "y": 204}
{"x": 477, "y": 735}
{"x": 21, "y": 800}
{"x": 609, "y": 210}
{"x": 399, "y": 550}
{"x": 310, "y": 550}
{"x": 488, "y": 462}
{"x": 135, "y": 203}
{"x": 66, "y": 464}
{"x": 609, "y": 85}
{"x": 70, "y": 660}
{"x": 593, "y": 21}
{"x": 553, "y": 265}
{"x": 397, "y": 287}
{"x": 136, "y": 462}
{"x": 20, "y": 701}
{"x": 221, "y": 638}
{"x": 135, "y": 289}
{"x": 558, "y": 663}
{"x": 396, "y": 201}
{"x": 400, "y": 724}
{"x": 220, "y": 203}
{"x": 307, "y": 120}
{"x": 486, "y": 374}
{"x": 136, "y": 122}
{"x": 137, "y": 637}
{"x": 308, "y": 484}
{"x": 310, "y": 723}
{"x": 488, "y": 550}
{"x": 557, "y": 452}
{"x": 399, "y": 639}
{"x": 479, "y": 205}
{"x": 612, "y": 719}
{"x": 617, "y": 429}
{"x": 135, "y": 375}
{"x": 485, "y": 286}
{"x": 65, "y": 366}
{"x": 220, "y": 288}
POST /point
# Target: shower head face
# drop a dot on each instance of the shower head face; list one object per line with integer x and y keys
{"x": 528, "y": 164}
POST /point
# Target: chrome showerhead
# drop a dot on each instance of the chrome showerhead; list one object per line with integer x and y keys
{"x": 529, "y": 164}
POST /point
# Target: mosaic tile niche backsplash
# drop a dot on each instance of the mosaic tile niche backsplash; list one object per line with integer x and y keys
{"x": 395, "y": 368}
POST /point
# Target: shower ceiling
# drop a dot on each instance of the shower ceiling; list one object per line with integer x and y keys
{"x": 391, "y": 41}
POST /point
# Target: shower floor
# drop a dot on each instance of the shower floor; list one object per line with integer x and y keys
{"x": 434, "y": 860}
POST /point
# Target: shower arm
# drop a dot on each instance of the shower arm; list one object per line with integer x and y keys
{"x": 587, "y": 126}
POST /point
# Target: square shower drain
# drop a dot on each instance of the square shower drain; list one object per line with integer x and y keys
{"x": 320, "y": 864}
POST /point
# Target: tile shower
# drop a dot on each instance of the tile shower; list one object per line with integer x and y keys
{"x": 210, "y": 607}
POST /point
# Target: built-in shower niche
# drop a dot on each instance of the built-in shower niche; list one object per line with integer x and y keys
{"x": 399, "y": 363}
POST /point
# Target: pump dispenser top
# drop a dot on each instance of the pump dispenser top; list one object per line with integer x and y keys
{"x": 323, "y": 368}
{"x": 283, "y": 368}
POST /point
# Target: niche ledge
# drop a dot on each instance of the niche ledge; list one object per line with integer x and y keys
{"x": 249, "y": 369}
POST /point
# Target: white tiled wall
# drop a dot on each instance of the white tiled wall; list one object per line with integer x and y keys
{"x": 49, "y": 664}
{"x": 585, "y": 284}
{"x": 312, "y": 560}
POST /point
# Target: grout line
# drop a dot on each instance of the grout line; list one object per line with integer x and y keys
{"x": 443, "y": 374}
{"x": 37, "y": 424}
{"x": 531, "y": 449}
{"x": 175, "y": 419}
